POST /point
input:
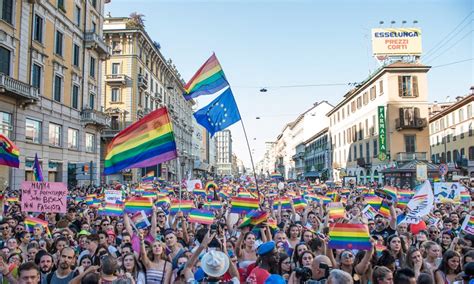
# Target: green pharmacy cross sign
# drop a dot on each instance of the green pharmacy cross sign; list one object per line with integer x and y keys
{"x": 382, "y": 134}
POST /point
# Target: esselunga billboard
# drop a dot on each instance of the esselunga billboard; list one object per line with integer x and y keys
{"x": 390, "y": 41}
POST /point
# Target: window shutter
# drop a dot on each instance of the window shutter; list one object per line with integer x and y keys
{"x": 401, "y": 112}
{"x": 417, "y": 113}
{"x": 400, "y": 86}
{"x": 415, "y": 86}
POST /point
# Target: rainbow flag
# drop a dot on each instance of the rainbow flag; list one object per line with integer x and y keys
{"x": 149, "y": 194}
{"x": 9, "y": 153}
{"x": 336, "y": 210}
{"x": 259, "y": 217}
{"x": 31, "y": 222}
{"x": 299, "y": 203}
{"x": 199, "y": 216}
{"x": 369, "y": 212}
{"x": 112, "y": 209}
{"x": 140, "y": 220}
{"x": 390, "y": 191}
{"x": 349, "y": 236}
{"x": 468, "y": 224}
{"x": 272, "y": 223}
{"x": 465, "y": 196}
{"x": 149, "y": 177}
{"x": 385, "y": 210}
{"x": 13, "y": 199}
{"x": 213, "y": 205}
{"x": 284, "y": 201}
{"x": 200, "y": 191}
{"x": 276, "y": 175}
{"x": 137, "y": 204}
{"x": 244, "y": 193}
{"x": 37, "y": 172}
{"x": 184, "y": 205}
{"x": 374, "y": 201}
{"x": 243, "y": 204}
{"x": 208, "y": 80}
{"x": 147, "y": 142}
{"x": 379, "y": 248}
{"x": 224, "y": 195}
{"x": 162, "y": 201}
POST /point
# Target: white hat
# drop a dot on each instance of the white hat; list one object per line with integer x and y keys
{"x": 215, "y": 263}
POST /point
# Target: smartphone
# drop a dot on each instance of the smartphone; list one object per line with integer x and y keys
{"x": 213, "y": 229}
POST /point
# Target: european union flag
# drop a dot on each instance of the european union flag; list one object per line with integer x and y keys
{"x": 219, "y": 114}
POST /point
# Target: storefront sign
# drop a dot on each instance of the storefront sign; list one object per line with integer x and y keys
{"x": 382, "y": 134}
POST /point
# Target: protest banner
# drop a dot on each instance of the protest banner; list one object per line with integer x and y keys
{"x": 43, "y": 197}
{"x": 112, "y": 196}
{"x": 468, "y": 225}
{"x": 447, "y": 190}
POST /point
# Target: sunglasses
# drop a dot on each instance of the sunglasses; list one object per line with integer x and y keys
{"x": 3, "y": 228}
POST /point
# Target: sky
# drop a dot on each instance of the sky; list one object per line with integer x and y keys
{"x": 270, "y": 44}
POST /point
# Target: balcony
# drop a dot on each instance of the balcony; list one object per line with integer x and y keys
{"x": 109, "y": 133}
{"x": 417, "y": 123}
{"x": 406, "y": 157}
{"x": 18, "y": 89}
{"x": 142, "y": 82}
{"x": 94, "y": 41}
{"x": 93, "y": 117}
{"x": 116, "y": 79}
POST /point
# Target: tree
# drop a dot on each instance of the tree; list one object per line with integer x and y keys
{"x": 136, "y": 20}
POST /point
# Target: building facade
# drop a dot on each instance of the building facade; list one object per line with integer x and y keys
{"x": 401, "y": 89}
{"x": 317, "y": 156}
{"x": 451, "y": 135}
{"x": 224, "y": 152}
{"x": 50, "y": 88}
{"x": 137, "y": 81}
{"x": 307, "y": 124}
{"x": 204, "y": 152}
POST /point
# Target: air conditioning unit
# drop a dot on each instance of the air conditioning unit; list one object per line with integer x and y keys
{"x": 419, "y": 122}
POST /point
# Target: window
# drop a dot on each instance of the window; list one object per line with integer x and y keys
{"x": 448, "y": 154}
{"x": 76, "y": 55}
{"x": 372, "y": 93}
{"x": 55, "y": 134}
{"x": 471, "y": 153}
{"x": 470, "y": 129}
{"x": 94, "y": 27}
{"x": 115, "y": 95}
{"x": 469, "y": 111}
{"x": 410, "y": 143}
{"x": 6, "y": 125}
{"x": 58, "y": 81}
{"x": 38, "y": 29}
{"x": 353, "y": 106}
{"x": 367, "y": 127}
{"x": 94, "y": 4}
{"x": 462, "y": 153}
{"x": 4, "y": 61}
{"x": 60, "y": 4}
{"x": 375, "y": 148}
{"x": 115, "y": 68}
{"x": 456, "y": 156}
{"x": 365, "y": 98}
{"x": 32, "y": 130}
{"x": 408, "y": 86}
{"x": 367, "y": 152}
{"x": 77, "y": 15}
{"x": 409, "y": 115}
{"x": 90, "y": 142}
{"x": 6, "y": 11}
{"x": 114, "y": 123}
{"x": 461, "y": 115}
{"x": 75, "y": 96}
{"x": 72, "y": 138}
{"x": 361, "y": 149}
{"x": 355, "y": 152}
{"x": 59, "y": 43}
{"x": 92, "y": 67}
{"x": 462, "y": 132}
{"x": 359, "y": 102}
{"x": 91, "y": 100}
{"x": 354, "y": 133}
{"x": 381, "y": 87}
{"x": 36, "y": 77}
{"x": 361, "y": 131}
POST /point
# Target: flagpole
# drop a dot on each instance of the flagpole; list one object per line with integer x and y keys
{"x": 251, "y": 157}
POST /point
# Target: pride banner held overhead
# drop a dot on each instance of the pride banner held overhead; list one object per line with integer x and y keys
{"x": 349, "y": 236}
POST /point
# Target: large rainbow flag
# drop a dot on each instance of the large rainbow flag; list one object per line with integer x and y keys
{"x": 349, "y": 236}
{"x": 9, "y": 152}
{"x": 209, "y": 79}
{"x": 147, "y": 142}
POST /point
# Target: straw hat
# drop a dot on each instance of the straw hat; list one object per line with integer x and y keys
{"x": 215, "y": 263}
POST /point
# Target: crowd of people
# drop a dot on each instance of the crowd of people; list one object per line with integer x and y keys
{"x": 290, "y": 246}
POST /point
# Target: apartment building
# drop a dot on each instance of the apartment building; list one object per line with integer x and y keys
{"x": 50, "y": 87}
{"x": 316, "y": 156}
{"x": 224, "y": 152}
{"x": 137, "y": 80}
{"x": 381, "y": 124}
{"x": 451, "y": 135}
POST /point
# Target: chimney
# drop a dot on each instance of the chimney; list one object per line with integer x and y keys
{"x": 472, "y": 90}
{"x": 459, "y": 98}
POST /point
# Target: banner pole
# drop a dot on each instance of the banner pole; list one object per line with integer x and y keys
{"x": 251, "y": 157}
